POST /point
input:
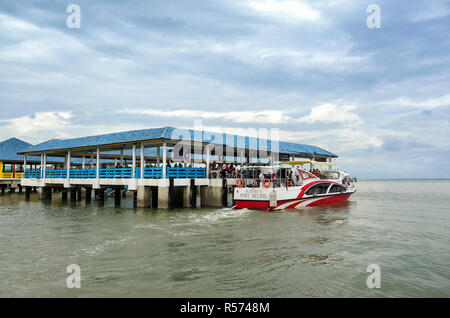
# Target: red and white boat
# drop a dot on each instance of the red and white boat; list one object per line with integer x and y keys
{"x": 303, "y": 189}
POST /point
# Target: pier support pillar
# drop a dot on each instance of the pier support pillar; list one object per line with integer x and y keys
{"x": 135, "y": 199}
{"x": 27, "y": 193}
{"x": 88, "y": 194}
{"x": 171, "y": 194}
{"x": 3, "y": 188}
{"x": 212, "y": 196}
{"x": 117, "y": 197}
{"x": 40, "y": 191}
{"x": 73, "y": 195}
{"x": 224, "y": 192}
{"x": 187, "y": 197}
{"x": 144, "y": 197}
{"x": 12, "y": 190}
{"x": 47, "y": 191}
{"x": 101, "y": 195}
{"x": 163, "y": 197}
{"x": 20, "y": 189}
{"x": 82, "y": 194}
{"x": 190, "y": 195}
{"x": 230, "y": 197}
{"x": 198, "y": 197}
{"x": 64, "y": 195}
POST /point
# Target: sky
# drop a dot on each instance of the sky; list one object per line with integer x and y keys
{"x": 377, "y": 97}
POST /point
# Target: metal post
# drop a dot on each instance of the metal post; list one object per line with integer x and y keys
{"x": 164, "y": 160}
{"x": 142, "y": 161}
{"x": 24, "y": 164}
{"x": 42, "y": 160}
{"x": 83, "y": 163}
{"x": 92, "y": 162}
{"x": 98, "y": 164}
{"x": 68, "y": 165}
{"x": 121, "y": 158}
{"x": 158, "y": 156}
{"x": 45, "y": 165}
{"x": 134, "y": 162}
{"x": 207, "y": 161}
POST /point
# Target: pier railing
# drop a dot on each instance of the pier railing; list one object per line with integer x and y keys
{"x": 11, "y": 175}
{"x": 120, "y": 173}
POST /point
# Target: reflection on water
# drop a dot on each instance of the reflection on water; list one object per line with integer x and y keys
{"x": 320, "y": 251}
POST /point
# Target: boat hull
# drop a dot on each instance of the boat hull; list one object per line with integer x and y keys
{"x": 296, "y": 203}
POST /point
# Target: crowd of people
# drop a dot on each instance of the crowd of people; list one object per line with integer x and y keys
{"x": 224, "y": 170}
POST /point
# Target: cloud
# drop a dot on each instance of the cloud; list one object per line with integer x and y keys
{"x": 39, "y": 126}
{"x": 331, "y": 113}
{"x": 272, "y": 117}
{"x": 429, "y": 103}
{"x": 434, "y": 9}
{"x": 286, "y": 11}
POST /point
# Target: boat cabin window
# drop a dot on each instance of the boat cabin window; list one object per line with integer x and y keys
{"x": 331, "y": 175}
{"x": 335, "y": 188}
{"x": 320, "y": 188}
{"x": 305, "y": 175}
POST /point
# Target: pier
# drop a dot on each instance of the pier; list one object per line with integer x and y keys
{"x": 163, "y": 168}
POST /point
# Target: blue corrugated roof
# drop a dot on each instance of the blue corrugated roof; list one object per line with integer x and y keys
{"x": 10, "y": 147}
{"x": 179, "y": 134}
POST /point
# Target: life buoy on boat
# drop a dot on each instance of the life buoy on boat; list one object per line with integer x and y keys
{"x": 266, "y": 183}
{"x": 240, "y": 183}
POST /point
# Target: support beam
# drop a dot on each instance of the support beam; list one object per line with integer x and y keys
{"x": 164, "y": 160}
{"x": 45, "y": 165}
{"x": 144, "y": 197}
{"x": 68, "y": 166}
{"x": 88, "y": 195}
{"x": 133, "y": 165}
{"x": 64, "y": 195}
{"x": 117, "y": 198}
{"x": 73, "y": 195}
{"x": 207, "y": 161}
{"x": 158, "y": 156}
{"x": 98, "y": 165}
{"x": 42, "y": 161}
{"x": 142, "y": 161}
{"x": 163, "y": 197}
{"x": 24, "y": 164}
{"x": 83, "y": 162}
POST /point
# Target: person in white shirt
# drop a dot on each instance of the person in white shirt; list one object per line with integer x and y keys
{"x": 261, "y": 179}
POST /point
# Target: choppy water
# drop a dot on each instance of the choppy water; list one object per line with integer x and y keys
{"x": 403, "y": 226}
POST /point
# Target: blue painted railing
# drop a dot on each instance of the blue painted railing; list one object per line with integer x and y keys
{"x": 32, "y": 174}
{"x": 150, "y": 173}
{"x": 181, "y": 173}
{"x": 121, "y": 173}
{"x": 60, "y": 173}
{"x": 116, "y": 173}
